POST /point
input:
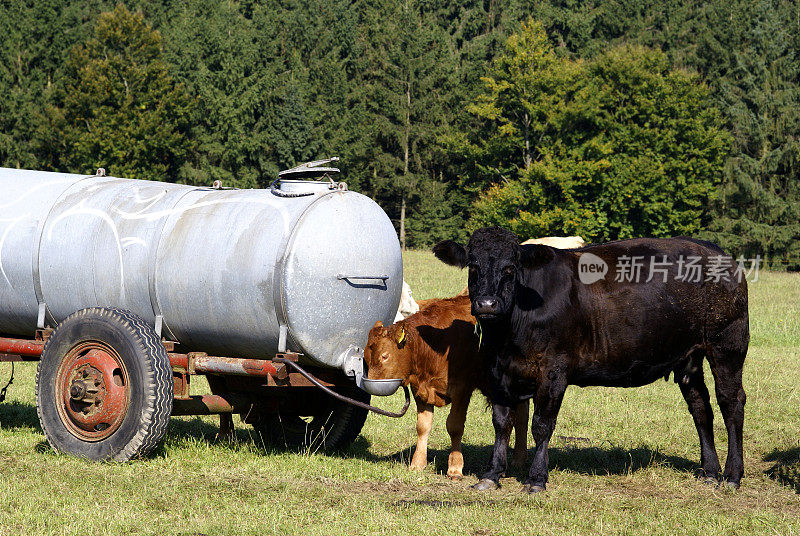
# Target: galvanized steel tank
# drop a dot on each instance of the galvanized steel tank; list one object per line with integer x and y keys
{"x": 223, "y": 269}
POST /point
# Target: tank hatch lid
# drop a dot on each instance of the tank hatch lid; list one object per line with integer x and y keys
{"x": 317, "y": 168}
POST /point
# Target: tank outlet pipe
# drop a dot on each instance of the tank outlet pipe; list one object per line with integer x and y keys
{"x": 21, "y": 347}
{"x": 310, "y": 377}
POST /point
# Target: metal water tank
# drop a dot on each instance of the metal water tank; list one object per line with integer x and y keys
{"x": 307, "y": 266}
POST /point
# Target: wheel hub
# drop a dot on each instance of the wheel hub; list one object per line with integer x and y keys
{"x": 92, "y": 391}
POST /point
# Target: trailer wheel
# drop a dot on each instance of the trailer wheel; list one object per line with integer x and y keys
{"x": 332, "y": 426}
{"x": 104, "y": 386}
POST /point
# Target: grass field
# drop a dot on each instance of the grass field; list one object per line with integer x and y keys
{"x": 621, "y": 462}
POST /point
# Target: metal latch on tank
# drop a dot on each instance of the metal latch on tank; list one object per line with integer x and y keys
{"x": 310, "y": 169}
{"x": 318, "y": 169}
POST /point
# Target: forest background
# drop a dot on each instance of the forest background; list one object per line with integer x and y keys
{"x": 606, "y": 119}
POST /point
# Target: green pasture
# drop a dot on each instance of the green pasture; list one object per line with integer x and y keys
{"x": 622, "y": 462}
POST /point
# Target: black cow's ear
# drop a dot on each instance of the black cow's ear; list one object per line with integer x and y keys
{"x": 451, "y": 253}
{"x": 533, "y": 255}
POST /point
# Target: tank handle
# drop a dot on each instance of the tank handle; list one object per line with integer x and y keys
{"x": 374, "y": 277}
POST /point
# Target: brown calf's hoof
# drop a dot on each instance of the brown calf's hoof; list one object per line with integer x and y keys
{"x": 532, "y": 488}
{"x": 486, "y": 484}
{"x": 417, "y": 465}
{"x": 455, "y": 477}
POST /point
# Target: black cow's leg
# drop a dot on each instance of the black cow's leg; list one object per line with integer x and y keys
{"x": 545, "y": 412}
{"x": 731, "y": 398}
{"x": 521, "y": 434}
{"x": 693, "y": 388}
{"x": 503, "y": 421}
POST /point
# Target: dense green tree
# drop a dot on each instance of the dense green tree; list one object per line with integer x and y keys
{"x": 35, "y": 39}
{"x": 752, "y": 59}
{"x": 222, "y": 57}
{"x": 268, "y": 84}
{"x": 117, "y": 105}
{"x": 405, "y": 75}
{"x": 747, "y": 53}
{"x": 615, "y": 147}
{"x": 273, "y": 83}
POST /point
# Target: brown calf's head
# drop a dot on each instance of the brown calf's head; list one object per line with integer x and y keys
{"x": 386, "y": 353}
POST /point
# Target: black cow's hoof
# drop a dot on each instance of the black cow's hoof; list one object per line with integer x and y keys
{"x": 532, "y": 488}
{"x": 729, "y": 484}
{"x": 486, "y": 484}
{"x": 707, "y": 477}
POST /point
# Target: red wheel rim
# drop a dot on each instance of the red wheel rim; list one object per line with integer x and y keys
{"x": 92, "y": 391}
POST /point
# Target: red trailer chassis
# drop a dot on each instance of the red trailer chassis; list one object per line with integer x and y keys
{"x": 249, "y": 387}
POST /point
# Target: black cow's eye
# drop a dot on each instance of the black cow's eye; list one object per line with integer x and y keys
{"x": 508, "y": 270}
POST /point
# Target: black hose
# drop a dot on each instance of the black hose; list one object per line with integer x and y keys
{"x": 10, "y": 381}
{"x": 343, "y": 398}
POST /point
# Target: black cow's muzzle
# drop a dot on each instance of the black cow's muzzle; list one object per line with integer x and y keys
{"x": 485, "y": 308}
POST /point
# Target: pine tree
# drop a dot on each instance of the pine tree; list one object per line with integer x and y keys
{"x": 117, "y": 105}
{"x": 747, "y": 53}
{"x": 404, "y": 76}
{"x": 752, "y": 60}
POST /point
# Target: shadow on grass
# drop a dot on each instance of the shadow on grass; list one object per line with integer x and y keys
{"x": 580, "y": 459}
{"x": 17, "y": 415}
{"x": 246, "y": 437}
{"x": 200, "y": 430}
{"x": 786, "y": 468}
{"x": 585, "y": 460}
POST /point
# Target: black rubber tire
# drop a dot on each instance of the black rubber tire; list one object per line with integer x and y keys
{"x": 150, "y": 384}
{"x": 332, "y": 427}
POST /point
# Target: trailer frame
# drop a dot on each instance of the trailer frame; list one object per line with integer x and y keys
{"x": 244, "y": 386}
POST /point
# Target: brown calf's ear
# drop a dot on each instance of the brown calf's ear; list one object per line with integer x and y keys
{"x": 378, "y": 324}
{"x": 401, "y": 336}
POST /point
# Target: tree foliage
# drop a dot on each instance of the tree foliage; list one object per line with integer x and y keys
{"x": 747, "y": 52}
{"x": 431, "y": 106}
{"x": 615, "y": 147}
{"x": 754, "y": 63}
{"x": 118, "y": 106}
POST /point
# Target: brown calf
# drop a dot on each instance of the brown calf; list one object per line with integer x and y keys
{"x": 435, "y": 351}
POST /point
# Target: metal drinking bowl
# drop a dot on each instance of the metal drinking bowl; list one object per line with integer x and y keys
{"x": 381, "y": 387}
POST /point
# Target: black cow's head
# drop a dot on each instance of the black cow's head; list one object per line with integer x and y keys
{"x": 495, "y": 259}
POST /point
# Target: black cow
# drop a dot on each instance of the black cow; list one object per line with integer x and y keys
{"x": 544, "y": 329}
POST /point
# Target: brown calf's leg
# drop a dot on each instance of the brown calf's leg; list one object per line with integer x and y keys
{"x": 520, "y": 435}
{"x": 424, "y": 424}
{"x": 455, "y": 427}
